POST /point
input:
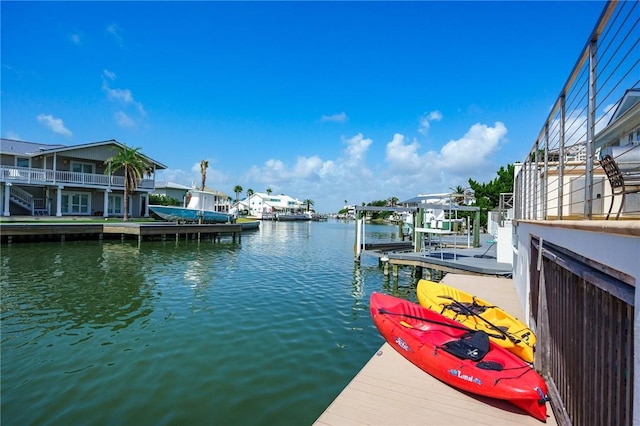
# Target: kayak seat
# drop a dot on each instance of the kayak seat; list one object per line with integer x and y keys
{"x": 473, "y": 345}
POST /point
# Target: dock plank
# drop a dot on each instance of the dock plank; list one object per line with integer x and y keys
{"x": 390, "y": 390}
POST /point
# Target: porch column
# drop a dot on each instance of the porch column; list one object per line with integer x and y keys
{"x": 59, "y": 201}
{"x": 105, "y": 204}
{"x": 146, "y": 204}
{"x": 7, "y": 193}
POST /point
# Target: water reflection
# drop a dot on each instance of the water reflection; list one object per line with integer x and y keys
{"x": 71, "y": 286}
{"x": 169, "y": 325}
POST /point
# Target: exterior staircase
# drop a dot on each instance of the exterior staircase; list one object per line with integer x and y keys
{"x": 21, "y": 198}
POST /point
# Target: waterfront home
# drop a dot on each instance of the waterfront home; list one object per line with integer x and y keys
{"x": 221, "y": 201}
{"x": 68, "y": 180}
{"x": 263, "y": 205}
{"x": 575, "y": 266}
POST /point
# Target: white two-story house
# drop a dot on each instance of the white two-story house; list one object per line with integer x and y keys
{"x": 261, "y": 203}
{"x": 58, "y": 180}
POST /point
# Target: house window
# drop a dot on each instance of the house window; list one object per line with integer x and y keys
{"x": 75, "y": 203}
{"x": 115, "y": 205}
{"x": 81, "y": 167}
{"x": 22, "y": 162}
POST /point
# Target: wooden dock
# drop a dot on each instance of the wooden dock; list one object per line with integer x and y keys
{"x": 452, "y": 257}
{"x": 51, "y": 231}
{"x": 390, "y": 390}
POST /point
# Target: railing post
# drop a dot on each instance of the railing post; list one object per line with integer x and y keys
{"x": 545, "y": 182}
{"x": 7, "y": 195}
{"x": 591, "y": 115}
{"x": 536, "y": 183}
{"x": 59, "y": 201}
{"x": 561, "y": 158}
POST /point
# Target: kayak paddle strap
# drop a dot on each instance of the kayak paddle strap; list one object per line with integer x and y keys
{"x": 457, "y": 327}
{"x": 468, "y": 311}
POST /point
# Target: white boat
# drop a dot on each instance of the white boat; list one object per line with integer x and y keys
{"x": 290, "y": 216}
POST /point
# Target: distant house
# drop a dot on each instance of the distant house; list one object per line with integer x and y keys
{"x": 260, "y": 204}
{"x": 222, "y": 201}
{"x": 58, "y": 180}
{"x": 172, "y": 190}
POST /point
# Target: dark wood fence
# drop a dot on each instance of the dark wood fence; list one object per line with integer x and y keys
{"x": 583, "y": 315}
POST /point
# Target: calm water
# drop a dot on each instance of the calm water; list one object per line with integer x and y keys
{"x": 267, "y": 331}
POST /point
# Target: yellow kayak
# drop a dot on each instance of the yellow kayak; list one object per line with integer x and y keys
{"x": 506, "y": 330}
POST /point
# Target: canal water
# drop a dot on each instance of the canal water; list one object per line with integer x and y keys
{"x": 266, "y": 331}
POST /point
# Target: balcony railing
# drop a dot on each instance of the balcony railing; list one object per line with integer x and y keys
{"x": 596, "y": 113}
{"x": 26, "y": 175}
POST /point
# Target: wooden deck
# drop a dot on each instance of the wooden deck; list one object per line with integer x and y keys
{"x": 33, "y": 231}
{"x": 390, "y": 390}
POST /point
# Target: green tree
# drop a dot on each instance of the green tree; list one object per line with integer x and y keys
{"x": 393, "y": 201}
{"x": 309, "y": 202}
{"x": 250, "y": 192}
{"x": 133, "y": 165}
{"x": 204, "y": 164}
{"x": 163, "y": 200}
{"x": 379, "y": 215}
{"x": 237, "y": 189}
{"x": 487, "y": 195}
{"x": 269, "y": 191}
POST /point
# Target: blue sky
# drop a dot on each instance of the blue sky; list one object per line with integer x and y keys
{"x": 332, "y": 101}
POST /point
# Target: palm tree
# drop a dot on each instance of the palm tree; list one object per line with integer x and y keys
{"x": 393, "y": 201}
{"x": 458, "y": 194}
{"x": 134, "y": 167}
{"x": 204, "y": 164}
{"x": 249, "y": 192}
{"x": 309, "y": 203}
{"x": 237, "y": 189}
{"x": 269, "y": 191}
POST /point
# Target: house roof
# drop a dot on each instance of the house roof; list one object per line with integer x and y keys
{"x": 14, "y": 147}
{"x": 630, "y": 98}
{"x": 31, "y": 149}
{"x": 172, "y": 185}
{"x": 624, "y": 119}
{"x": 215, "y": 191}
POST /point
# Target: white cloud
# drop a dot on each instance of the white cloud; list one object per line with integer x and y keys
{"x": 75, "y": 39}
{"x": 124, "y": 97}
{"x": 357, "y": 147}
{"x": 123, "y": 120}
{"x": 56, "y": 125}
{"x": 407, "y": 170}
{"x": 116, "y": 32}
{"x": 176, "y": 175}
{"x": 403, "y": 157}
{"x": 426, "y": 119}
{"x": 215, "y": 178}
{"x": 109, "y": 74}
{"x": 473, "y": 149}
{"x": 338, "y": 118}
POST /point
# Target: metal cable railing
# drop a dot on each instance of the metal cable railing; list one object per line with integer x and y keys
{"x": 596, "y": 113}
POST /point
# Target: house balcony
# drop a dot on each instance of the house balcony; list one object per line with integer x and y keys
{"x": 30, "y": 176}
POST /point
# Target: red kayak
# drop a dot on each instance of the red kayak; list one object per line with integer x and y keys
{"x": 457, "y": 355}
